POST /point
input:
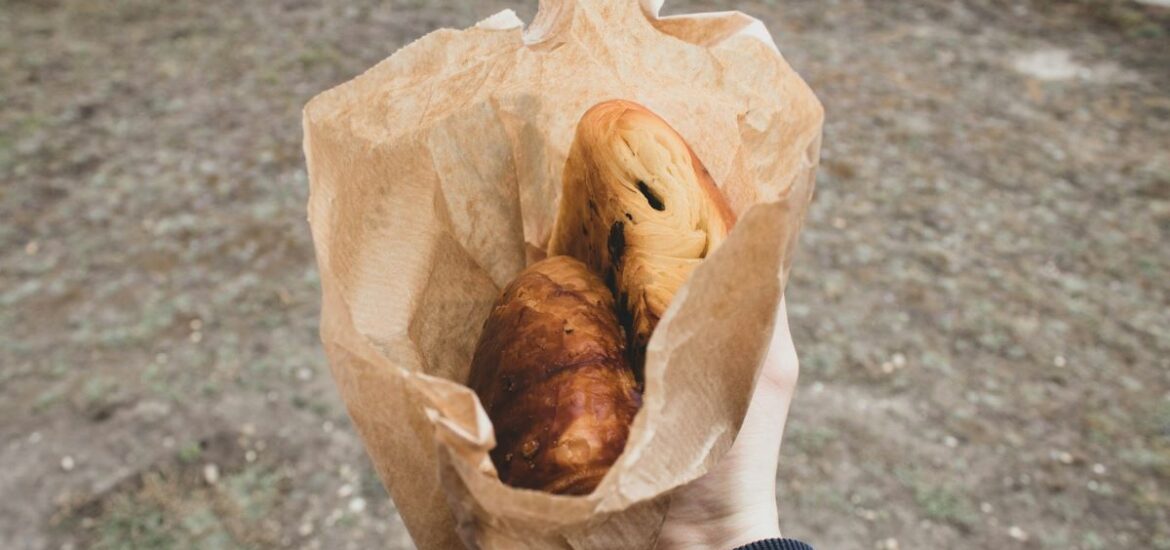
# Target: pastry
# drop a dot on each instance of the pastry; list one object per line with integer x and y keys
{"x": 551, "y": 371}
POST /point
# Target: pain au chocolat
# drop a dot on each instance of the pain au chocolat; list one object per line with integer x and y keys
{"x": 640, "y": 209}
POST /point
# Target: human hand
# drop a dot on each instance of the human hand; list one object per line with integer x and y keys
{"x": 735, "y": 503}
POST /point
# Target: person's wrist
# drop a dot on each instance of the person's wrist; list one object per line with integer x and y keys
{"x": 724, "y": 528}
{"x": 747, "y": 527}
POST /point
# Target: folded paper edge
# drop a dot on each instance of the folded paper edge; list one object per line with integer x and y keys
{"x": 754, "y": 29}
{"x": 504, "y": 20}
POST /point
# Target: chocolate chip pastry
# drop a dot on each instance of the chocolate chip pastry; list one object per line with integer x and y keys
{"x": 638, "y": 208}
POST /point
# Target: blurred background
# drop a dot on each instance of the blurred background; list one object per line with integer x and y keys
{"x": 980, "y": 303}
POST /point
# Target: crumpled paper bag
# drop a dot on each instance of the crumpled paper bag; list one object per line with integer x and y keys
{"x": 434, "y": 179}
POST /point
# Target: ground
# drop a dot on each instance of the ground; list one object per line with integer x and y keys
{"x": 980, "y": 303}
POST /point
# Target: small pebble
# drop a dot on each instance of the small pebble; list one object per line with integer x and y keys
{"x": 1016, "y": 533}
{"x": 305, "y": 529}
{"x": 32, "y": 247}
{"x": 1063, "y": 457}
{"x": 1099, "y": 469}
{"x": 1059, "y": 361}
{"x": 357, "y": 505}
{"x": 168, "y": 442}
{"x": 950, "y": 441}
{"x": 899, "y": 360}
{"x": 161, "y": 358}
{"x": 196, "y": 324}
{"x": 248, "y": 428}
{"x": 888, "y": 544}
{"x": 196, "y": 337}
{"x": 211, "y": 474}
{"x": 985, "y": 507}
{"x": 304, "y": 374}
{"x": 345, "y": 490}
{"x": 67, "y": 463}
{"x": 327, "y": 426}
{"x": 34, "y": 438}
{"x": 250, "y": 456}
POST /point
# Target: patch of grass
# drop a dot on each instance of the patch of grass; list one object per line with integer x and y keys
{"x": 316, "y": 406}
{"x": 132, "y": 524}
{"x": 321, "y": 409}
{"x": 1126, "y": 16}
{"x": 153, "y": 378}
{"x": 145, "y": 326}
{"x": 254, "y": 491}
{"x": 812, "y": 440}
{"x": 48, "y": 398}
{"x": 207, "y": 526}
{"x": 944, "y": 505}
{"x": 1093, "y": 541}
{"x": 1103, "y": 427}
{"x": 299, "y": 401}
{"x": 190, "y": 452}
{"x": 320, "y": 54}
{"x": 97, "y": 390}
{"x": 209, "y": 388}
{"x": 162, "y": 514}
{"x": 1155, "y": 460}
{"x": 824, "y": 497}
{"x": 1160, "y": 419}
{"x": 176, "y": 508}
{"x": 940, "y": 503}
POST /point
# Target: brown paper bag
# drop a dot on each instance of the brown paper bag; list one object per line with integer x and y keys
{"x": 434, "y": 180}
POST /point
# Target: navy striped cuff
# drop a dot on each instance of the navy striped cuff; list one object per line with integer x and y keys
{"x": 776, "y": 544}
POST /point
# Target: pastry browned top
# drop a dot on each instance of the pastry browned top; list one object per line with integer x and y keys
{"x": 639, "y": 208}
{"x": 551, "y": 371}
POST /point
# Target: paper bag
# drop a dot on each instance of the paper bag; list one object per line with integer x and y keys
{"x": 434, "y": 180}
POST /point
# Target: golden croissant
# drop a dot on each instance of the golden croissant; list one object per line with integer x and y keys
{"x": 640, "y": 209}
{"x": 551, "y": 372}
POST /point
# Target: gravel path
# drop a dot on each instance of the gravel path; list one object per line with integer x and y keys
{"x": 980, "y": 304}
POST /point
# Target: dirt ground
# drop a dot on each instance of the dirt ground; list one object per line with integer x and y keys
{"x": 980, "y": 303}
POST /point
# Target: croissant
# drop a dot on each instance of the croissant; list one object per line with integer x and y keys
{"x": 639, "y": 208}
{"x": 551, "y": 371}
